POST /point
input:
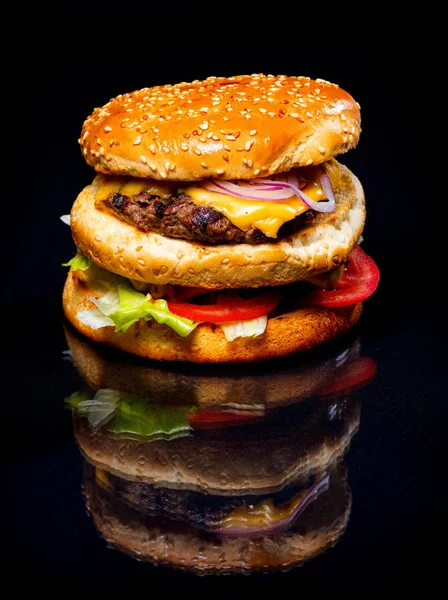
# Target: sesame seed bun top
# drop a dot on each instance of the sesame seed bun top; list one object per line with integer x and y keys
{"x": 223, "y": 127}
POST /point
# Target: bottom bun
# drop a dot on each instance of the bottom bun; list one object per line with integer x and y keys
{"x": 285, "y": 334}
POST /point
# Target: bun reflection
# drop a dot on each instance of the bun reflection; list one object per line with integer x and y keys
{"x": 234, "y": 472}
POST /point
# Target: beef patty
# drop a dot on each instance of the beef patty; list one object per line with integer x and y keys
{"x": 179, "y": 217}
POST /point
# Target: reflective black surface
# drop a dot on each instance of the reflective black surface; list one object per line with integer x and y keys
{"x": 396, "y": 463}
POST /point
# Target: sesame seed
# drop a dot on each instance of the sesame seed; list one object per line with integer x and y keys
{"x": 203, "y": 165}
{"x": 343, "y": 117}
{"x": 143, "y": 159}
{"x": 256, "y": 172}
{"x": 231, "y": 138}
{"x": 152, "y": 148}
{"x": 227, "y": 147}
{"x": 271, "y": 114}
{"x": 215, "y": 138}
{"x": 321, "y": 149}
{"x": 197, "y": 151}
{"x": 309, "y": 162}
{"x": 219, "y": 171}
{"x": 184, "y": 146}
{"x": 204, "y": 125}
{"x": 153, "y": 167}
{"x": 294, "y": 115}
{"x": 107, "y": 129}
{"x": 309, "y": 114}
{"x": 253, "y": 132}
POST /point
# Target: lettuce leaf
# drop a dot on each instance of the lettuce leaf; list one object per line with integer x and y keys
{"x": 249, "y": 328}
{"x": 131, "y": 416}
{"x": 123, "y": 306}
{"x": 79, "y": 262}
{"x": 137, "y": 417}
{"x": 76, "y": 399}
{"x": 99, "y": 409}
{"x": 94, "y": 318}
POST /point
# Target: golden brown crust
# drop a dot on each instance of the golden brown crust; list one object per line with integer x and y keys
{"x": 284, "y": 335}
{"x": 224, "y": 127}
{"x": 241, "y": 463}
{"x": 123, "y": 249}
{"x": 186, "y": 548}
{"x": 172, "y": 383}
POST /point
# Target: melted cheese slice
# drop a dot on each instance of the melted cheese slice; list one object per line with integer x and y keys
{"x": 263, "y": 513}
{"x": 130, "y": 186}
{"x": 102, "y": 477}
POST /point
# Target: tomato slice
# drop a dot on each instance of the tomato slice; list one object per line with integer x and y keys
{"x": 211, "y": 419}
{"x": 356, "y": 374}
{"x": 227, "y": 308}
{"x": 358, "y": 282}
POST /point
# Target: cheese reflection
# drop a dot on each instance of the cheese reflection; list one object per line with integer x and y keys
{"x": 217, "y": 472}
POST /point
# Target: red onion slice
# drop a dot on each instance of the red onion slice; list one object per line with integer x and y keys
{"x": 254, "y": 531}
{"x": 284, "y": 186}
{"x": 271, "y": 192}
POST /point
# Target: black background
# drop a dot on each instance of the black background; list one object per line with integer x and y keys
{"x": 396, "y": 463}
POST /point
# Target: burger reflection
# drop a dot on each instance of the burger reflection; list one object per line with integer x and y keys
{"x": 235, "y": 471}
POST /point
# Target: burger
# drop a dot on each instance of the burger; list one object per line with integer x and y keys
{"x": 220, "y": 226}
{"x": 183, "y": 529}
{"x": 214, "y": 488}
{"x": 217, "y": 472}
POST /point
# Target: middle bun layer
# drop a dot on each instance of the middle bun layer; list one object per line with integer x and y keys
{"x": 150, "y": 257}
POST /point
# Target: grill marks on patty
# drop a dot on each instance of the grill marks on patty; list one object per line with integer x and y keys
{"x": 179, "y": 217}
